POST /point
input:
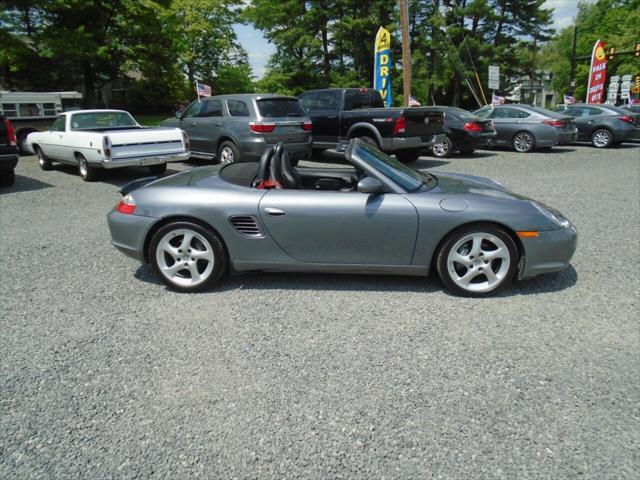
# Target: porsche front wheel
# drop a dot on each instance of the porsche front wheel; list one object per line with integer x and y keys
{"x": 477, "y": 260}
{"x": 187, "y": 257}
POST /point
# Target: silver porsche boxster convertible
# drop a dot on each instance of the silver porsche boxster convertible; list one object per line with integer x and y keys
{"x": 376, "y": 216}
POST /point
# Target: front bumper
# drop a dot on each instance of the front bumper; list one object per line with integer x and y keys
{"x": 8, "y": 161}
{"x": 128, "y": 233}
{"x": 145, "y": 161}
{"x": 551, "y": 251}
{"x": 411, "y": 143}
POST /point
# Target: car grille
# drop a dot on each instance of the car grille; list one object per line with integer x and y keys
{"x": 246, "y": 225}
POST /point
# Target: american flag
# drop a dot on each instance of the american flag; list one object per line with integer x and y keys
{"x": 568, "y": 99}
{"x": 413, "y": 102}
{"x": 203, "y": 90}
{"x": 496, "y": 99}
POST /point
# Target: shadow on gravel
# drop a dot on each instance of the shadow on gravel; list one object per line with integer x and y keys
{"x": 25, "y": 184}
{"x": 549, "y": 283}
{"x": 539, "y": 151}
{"x": 116, "y": 177}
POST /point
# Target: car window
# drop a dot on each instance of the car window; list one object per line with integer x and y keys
{"x": 357, "y": 99}
{"x": 193, "y": 110}
{"x": 101, "y": 120}
{"x": 308, "y": 100}
{"x": 211, "y": 108}
{"x": 238, "y": 108}
{"x": 279, "y": 107}
{"x": 376, "y": 99}
{"x": 483, "y": 112}
{"x": 509, "y": 113}
{"x": 327, "y": 101}
{"x": 461, "y": 114}
{"x": 58, "y": 125}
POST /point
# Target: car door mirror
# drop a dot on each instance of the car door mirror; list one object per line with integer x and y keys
{"x": 371, "y": 186}
{"x": 179, "y": 115}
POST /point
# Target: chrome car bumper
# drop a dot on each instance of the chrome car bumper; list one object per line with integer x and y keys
{"x": 404, "y": 143}
{"x": 551, "y": 251}
{"x": 144, "y": 161}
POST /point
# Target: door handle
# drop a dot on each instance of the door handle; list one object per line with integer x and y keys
{"x": 194, "y": 124}
{"x": 276, "y": 212}
{"x": 218, "y": 124}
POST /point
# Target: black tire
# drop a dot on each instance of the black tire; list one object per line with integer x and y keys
{"x": 602, "y": 138}
{"x": 407, "y": 156}
{"x": 158, "y": 169}
{"x": 44, "y": 162}
{"x": 230, "y": 151}
{"x": 458, "y": 236}
{"x": 7, "y": 178}
{"x": 87, "y": 172}
{"x": 370, "y": 140}
{"x": 22, "y": 142}
{"x": 442, "y": 149}
{"x": 220, "y": 258}
{"x": 523, "y": 142}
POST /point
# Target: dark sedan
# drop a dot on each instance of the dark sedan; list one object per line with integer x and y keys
{"x": 603, "y": 125}
{"x": 464, "y": 132}
{"x": 526, "y": 128}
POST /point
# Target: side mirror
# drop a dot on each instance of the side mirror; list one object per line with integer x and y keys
{"x": 179, "y": 115}
{"x": 370, "y": 185}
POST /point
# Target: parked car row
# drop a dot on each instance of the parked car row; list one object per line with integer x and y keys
{"x": 239, "y": 128}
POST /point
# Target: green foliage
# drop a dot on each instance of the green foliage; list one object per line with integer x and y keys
{"x": 156, "y": 49}
{"x": 322, "y": 43}
{"x": 613, "y": 21}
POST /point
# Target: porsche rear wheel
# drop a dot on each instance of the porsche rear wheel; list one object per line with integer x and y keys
{"x": 477, "y": 260}
{"x": 187, "y": 257}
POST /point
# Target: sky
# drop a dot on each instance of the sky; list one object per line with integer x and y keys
{"x": 260, "y": 49}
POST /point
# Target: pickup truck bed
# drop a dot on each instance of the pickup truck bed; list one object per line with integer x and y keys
{"x": 341, "y": 114}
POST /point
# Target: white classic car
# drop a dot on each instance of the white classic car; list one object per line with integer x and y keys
{"x": 94, "y": 139}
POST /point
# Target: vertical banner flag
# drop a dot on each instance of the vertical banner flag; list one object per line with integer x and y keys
{"x": 382, "y": 67}
{"x": 597, "y": 74}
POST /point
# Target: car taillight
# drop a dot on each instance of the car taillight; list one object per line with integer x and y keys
{"x": 625, "y": 118}
{"x": 307, "y": 126}
{"x": 554, "y": 123}
{"x": 185, "y": 140}
{"x": 11, "y": 133}
{"x": 401, "y": 125}
{"x": 472, "y": 127}
{"x": 126, "y": 205}
{"x": 262, "y": 127}
{"x": 106, "y": 147}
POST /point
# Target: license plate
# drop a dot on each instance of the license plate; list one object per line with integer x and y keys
{"x": 289, "y": 129}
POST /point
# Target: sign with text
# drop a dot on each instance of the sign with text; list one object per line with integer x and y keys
{"x": 597, "y": 74}
{"x": 494, "y": 77}
{"x": 382, "y": 67}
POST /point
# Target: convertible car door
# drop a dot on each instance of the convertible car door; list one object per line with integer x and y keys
{"x": 341, "y": 227}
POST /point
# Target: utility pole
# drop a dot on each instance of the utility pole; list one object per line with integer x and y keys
{"x": 573, "y": 60}
{"x": 406, "y": 51}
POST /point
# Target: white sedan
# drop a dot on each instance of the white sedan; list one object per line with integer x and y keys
{"x": 94, "y": 139}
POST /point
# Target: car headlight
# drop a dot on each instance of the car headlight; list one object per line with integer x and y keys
{"x": 552, "y": 214}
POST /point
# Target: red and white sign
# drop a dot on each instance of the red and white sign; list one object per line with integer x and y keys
{"x": 597, "y": 74}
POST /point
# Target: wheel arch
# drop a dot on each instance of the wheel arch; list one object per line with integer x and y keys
{"x": 507, "y": 229}
{"x": 365, "y": 128}
{"x": 179, "y": 218}
{"x": 225, "y": 138}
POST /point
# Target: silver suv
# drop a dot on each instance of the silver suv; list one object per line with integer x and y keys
{"x": 238, "y": 128}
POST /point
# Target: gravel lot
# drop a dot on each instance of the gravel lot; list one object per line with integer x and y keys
{"x": 106, "y": 374}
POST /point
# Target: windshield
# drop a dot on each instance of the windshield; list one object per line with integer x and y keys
{"x": 101, "y": 120}
{"x": 410, "y": 180}
{"x": 461, "y": 114}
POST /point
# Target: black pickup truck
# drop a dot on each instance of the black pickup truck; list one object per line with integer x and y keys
{"x": 339, "y": 114}
{"x": 8, "y": 153}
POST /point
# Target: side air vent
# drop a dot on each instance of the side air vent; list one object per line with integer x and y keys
{"x": 246, "y": 225}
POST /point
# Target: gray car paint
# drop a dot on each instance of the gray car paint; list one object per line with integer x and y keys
{"x": 207, "y": 133}
{"x": 522, "y": 118}
{"x": 393, "y": 233}
{"x": 591, "y": 117}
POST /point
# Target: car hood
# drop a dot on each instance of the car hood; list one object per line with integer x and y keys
{"x": 462, "y": 184}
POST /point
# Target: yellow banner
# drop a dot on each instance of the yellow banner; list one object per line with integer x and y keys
{"x": 383, "y": 40}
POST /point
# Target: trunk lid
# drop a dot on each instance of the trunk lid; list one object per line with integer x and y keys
{"x": 281, "y": 120}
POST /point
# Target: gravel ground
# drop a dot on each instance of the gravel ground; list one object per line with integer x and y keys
{"x": 106, "y": 374}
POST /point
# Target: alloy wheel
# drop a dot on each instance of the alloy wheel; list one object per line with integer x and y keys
{"x": 440, "y": 149}
{"x": 479, "y": 262}
{"x": 601, "y": 138}
{"x": 226, "y": 156}
{"x": 523, "y": 142}
{"x": 185, "y": 257}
